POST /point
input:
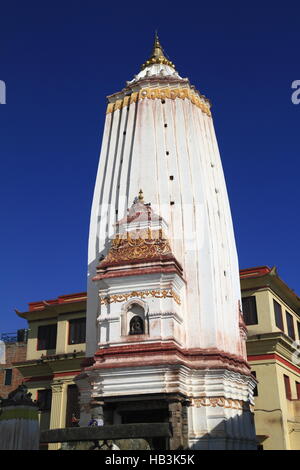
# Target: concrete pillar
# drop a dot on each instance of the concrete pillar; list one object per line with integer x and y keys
{"x": 62, "y": 332}
{"x": 58, "y": 408}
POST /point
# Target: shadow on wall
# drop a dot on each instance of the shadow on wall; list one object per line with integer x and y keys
{"x": 234, "y": 433}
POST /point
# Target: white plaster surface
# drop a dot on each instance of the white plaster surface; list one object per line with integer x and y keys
{"x": 133, "y": 157}
{"x": 200, "y": 225}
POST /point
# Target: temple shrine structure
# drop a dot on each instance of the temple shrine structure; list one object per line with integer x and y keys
{"x": 165, "y": 330}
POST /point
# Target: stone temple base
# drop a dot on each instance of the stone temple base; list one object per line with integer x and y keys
{"x": 205, "y": 408}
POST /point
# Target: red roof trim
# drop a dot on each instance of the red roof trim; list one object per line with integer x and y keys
{"x": 138, "y": 271}
{"x": 62, "y": 299}
{"x": 255, "y": 272}
{"x": 148, "y": 352}
{"x": 43, "y": 378}
{"x": 261, "y": 357}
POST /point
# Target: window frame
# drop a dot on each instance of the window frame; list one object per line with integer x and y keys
{"x": 287, "y": 386}
{"x": 275, "y": 303}
{"x": 253, "y": 310}
{"x": 6, "y": 370}
{"x": 44, "y": 346}
{"x": 72, "y": 322}
{"x": 290, "y": 325}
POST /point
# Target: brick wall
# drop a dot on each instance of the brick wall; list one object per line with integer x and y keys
{"x": 14, "y": 352}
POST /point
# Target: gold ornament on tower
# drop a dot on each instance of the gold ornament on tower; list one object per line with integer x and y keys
{"x": 157, "y": 56}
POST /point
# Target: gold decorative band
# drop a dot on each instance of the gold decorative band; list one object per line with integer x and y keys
{"x": 161, "y": 294}
{"x": 223, "y": 402}
{"x": 157, "y": 60}
{"x": 160, "y": 93}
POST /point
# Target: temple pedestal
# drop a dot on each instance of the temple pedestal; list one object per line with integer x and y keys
{"x": 206, "y": 408}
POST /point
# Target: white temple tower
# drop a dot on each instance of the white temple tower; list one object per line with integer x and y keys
{"x": 164, "y": 322}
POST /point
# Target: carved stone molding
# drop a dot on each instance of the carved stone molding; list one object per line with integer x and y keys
{"x": 231, "y": 403}
{"x": 174, "y": 315}
{"x": 107, "y": 318}
{"x": 57, "y": 387}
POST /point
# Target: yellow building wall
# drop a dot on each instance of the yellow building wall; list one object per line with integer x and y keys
{"x": 62, "y": 369}
{"x": 291, "y": 421}
{"x": 294, "y": 426}
{"x": 263, "y": 313}
{"x": 275, "y": 415}
{"x": 284, "y": 308}
{"x": 62, "y": 346}
{"x": 268, "y": 422}
{"x": 56, "y": 418}
{"x": 32, "y": 351}
{"x": 266, "y": 314}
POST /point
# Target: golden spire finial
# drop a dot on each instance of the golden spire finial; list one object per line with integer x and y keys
{"x": 157, "y": 56}
{"x": 141, "y": 196}
{"x": 157, "y": 50}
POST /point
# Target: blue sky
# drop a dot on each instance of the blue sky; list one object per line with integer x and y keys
{"x": 60, "y": 60}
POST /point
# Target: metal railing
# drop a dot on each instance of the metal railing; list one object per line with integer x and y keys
{"x": 19, "y": 336}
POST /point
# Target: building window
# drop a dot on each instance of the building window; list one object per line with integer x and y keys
{"x": 278, "y": 315}
{"x": 249, "y": 310}
{"x": 44, "y": 399}
{"x": 73, "y": 408}
{"x": 47, "y": 337}
{"x": 298, "y": 390}
{"x": 255, "y": 391}
{"x": 290, "y": 325}
{"x": 298, "y": 326}
{"x": 8, "y": 377}
{"x": 287, "y": 386}
{"x": 77, "y": 331}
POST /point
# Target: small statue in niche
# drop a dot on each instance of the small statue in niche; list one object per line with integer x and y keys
{"x": 136, "y": 326}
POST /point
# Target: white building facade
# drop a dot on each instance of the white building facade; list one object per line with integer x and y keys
{"x": 164, "y": 322}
